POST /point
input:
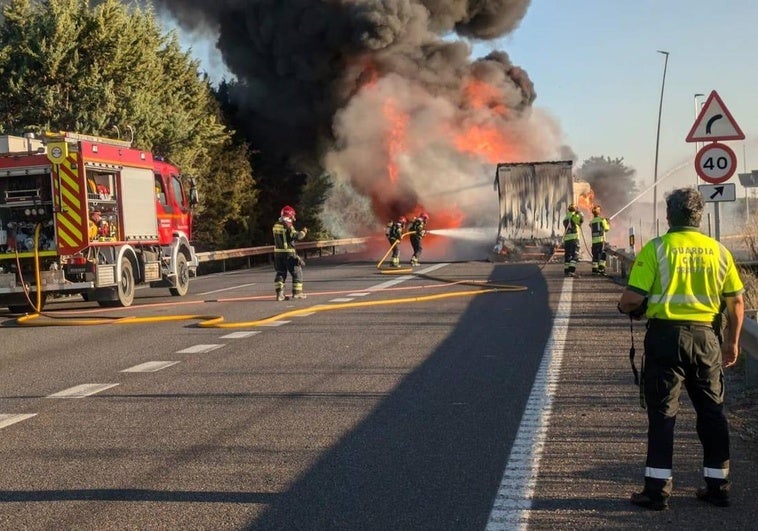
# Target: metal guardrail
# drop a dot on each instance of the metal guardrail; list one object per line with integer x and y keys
{"x": 246, "y": 252}
{"x": 621, "y": 262}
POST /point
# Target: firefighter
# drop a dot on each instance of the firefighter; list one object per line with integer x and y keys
{"x": 683, "y": 280}
{"x": 286, "y": 259}
{"x": 599, "y": 227}
{"x": 572, "y": 224}
{"x": 394, "y": 233}
{"x": 418, "y": 231}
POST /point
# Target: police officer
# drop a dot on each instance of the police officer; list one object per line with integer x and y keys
{"x": 286, "y": 259}
{"x": 684, "y": 279}
{"x": 572, "y": 224}
{"x": 394, "y": 233}
{"x": 599, "y": 226}
{"x": 418, "y": 231}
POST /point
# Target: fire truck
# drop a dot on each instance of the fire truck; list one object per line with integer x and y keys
{"x": 92, "y": 216}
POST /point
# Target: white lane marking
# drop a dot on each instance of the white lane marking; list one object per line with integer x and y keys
{"x": 362, "y": 294}
{"x": 304, "y": 314}
{"x": 399, "y": 280}
{"x": 150, "y": 366}
{"x": 513, "y": 501}
{"x": 80, "y": 391}
{"x": 341, "y": 299}
{"x": 276, "y": 323}
{"x": 6, "y": 419}
{"x": 198, "y": 349}
{"x": 239, "y": 335}
{"x": 227, "y": 289}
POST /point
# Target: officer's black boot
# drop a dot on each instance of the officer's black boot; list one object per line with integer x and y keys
{"x": 655, "y": 496}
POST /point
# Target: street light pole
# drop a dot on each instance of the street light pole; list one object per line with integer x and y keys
{"x": 697, "y": 111}
{"x": 657, "y": 143}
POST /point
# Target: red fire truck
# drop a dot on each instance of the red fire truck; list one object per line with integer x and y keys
{"x": 92, "y": 216}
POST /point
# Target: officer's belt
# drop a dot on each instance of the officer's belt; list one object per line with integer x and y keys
{"x": 670, "y": 323}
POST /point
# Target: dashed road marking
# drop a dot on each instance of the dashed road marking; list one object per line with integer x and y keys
{"x": 240, "y": 335}
{"x": 341, "y": 299}
{"x": 361, "y": 294}
{"x": 198, "y": 349}
{"x": 81, "y": 391}
{"x": 150, "y": 366}
{"x": 276, "y": 323}
{"x": 227, "y": 289}
{"x": 513, "y": 501}
{"x": 6, "y": 419}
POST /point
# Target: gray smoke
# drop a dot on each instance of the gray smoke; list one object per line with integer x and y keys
{"x": 384, "y": 94}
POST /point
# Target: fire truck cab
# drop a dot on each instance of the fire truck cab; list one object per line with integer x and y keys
{"x": 92, "y": 216}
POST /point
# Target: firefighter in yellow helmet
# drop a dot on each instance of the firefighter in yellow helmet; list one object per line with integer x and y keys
{"x": 681, "y": 281}
{"x": 599, "y": 226}
{"x": 286, "y": 259}
{"x": 572, "y": 224}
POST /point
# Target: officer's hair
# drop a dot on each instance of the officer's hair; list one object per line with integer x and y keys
{"x": 684, "y": 207}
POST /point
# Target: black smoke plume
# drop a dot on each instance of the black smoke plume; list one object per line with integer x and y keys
{"x": 379, "y": 93}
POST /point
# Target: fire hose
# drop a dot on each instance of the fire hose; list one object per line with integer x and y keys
{"x": 39, "y": 319}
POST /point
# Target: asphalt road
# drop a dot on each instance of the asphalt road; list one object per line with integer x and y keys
{"x": 393, "y": 402}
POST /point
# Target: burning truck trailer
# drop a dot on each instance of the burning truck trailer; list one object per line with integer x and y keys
{"x": 533, "y": 198}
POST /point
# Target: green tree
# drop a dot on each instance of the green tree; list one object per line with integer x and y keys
{"x": 110, "y": 70}
{"x": 612, "y": 182}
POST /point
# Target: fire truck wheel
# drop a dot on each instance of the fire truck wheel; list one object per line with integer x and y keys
{"x": 126, "y": 286}
{"x": 182, "y": 277}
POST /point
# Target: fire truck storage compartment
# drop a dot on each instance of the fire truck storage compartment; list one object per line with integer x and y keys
{"x": 138, "y": 202}
{"x": 25, "y": 202}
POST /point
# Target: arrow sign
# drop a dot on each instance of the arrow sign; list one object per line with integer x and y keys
{"x": 714, "y": 193}
{"x": 714, "y": 122}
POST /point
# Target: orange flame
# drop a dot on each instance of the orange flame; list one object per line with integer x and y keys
{"x": 485, "y": 141}
{"x": 586, "y": 200}
{"x": 396, "y": 134}
{"x": 481, "y": 95}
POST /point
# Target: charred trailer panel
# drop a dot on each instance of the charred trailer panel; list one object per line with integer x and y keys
{"x": 533, "y": 197}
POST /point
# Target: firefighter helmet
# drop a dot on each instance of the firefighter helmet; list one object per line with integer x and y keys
{"x": 572, "y": 207}
{"x": 424, "y": 216}
{"x": 288, "y": 212}
{"x": 402, "y": 220}
{"x": 596, "y": 210}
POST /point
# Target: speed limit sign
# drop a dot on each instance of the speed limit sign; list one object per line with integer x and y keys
{"x": 715, "y": 163}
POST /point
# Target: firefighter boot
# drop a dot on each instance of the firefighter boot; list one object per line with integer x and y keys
{"x": 396, "y": 262}
{"x": 280, "y": 295}
{"x": 414, "y": 261}
{"x": 298, "y": 295}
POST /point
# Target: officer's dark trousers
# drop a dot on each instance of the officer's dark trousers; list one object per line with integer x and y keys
{"x": 688, "y": 354}
{"x": 570, "y": 255}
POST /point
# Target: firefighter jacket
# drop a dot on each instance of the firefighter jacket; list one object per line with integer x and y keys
{"x": 684, "y": 274}
{"x": 571, "y": 223}
{"x": 285, "y": 236}
{"x": 394, "y": 231}
{"x": 599, "y": 226}
{"x": 418, "y": 227}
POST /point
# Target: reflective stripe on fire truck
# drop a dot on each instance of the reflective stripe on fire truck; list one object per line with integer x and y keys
{"x": 70, "y": 216}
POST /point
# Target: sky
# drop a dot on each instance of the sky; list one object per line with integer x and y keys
{"x": 596, "y": 69}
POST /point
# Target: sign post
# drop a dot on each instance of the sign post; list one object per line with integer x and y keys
{"x": 715, "y": 163}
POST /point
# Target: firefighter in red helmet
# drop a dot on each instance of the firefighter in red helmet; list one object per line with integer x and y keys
{"x": 394, "y": 233}
{"x": 286, "y": 259}
{"x": 418, "y": 231}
